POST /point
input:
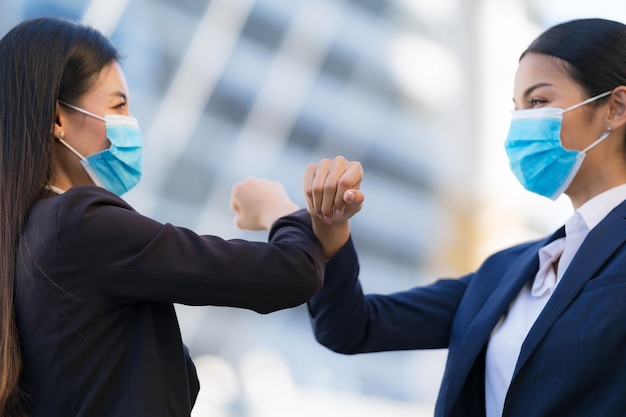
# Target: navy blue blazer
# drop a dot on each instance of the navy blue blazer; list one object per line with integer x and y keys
{"x": 572, "y": 363}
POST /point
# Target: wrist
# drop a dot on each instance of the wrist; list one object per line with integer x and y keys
{"x": 332, "y": 236}
{"x": 270, "y": 217}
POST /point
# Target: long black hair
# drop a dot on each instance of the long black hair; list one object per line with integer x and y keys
{"x": 42, "y": 61}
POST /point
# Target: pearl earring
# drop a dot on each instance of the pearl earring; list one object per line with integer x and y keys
{"x": 61, "y": 135}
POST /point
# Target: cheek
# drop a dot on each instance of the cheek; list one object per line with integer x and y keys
{"x": 105, "y": 143}
{"x": 90, "y": 139}
{"x": 97, "y": 138}
{"x": 573, "y": 134}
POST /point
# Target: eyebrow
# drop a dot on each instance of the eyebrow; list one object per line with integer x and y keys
{"x": 119, "y": 94}
{"x": 533, "y": 87}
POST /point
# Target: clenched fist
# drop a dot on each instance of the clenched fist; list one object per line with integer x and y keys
{"x": 258, "y": 203}
{"x": 331, "y": 188}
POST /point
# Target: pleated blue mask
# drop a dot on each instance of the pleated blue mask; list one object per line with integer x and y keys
{"x": 536, "y": 155}
{"x": 118, "y": 168}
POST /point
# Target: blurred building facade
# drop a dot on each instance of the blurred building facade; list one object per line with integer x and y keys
{"x": 416, "y": 90}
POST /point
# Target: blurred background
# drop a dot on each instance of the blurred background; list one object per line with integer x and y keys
{"x": 418, "y": 91}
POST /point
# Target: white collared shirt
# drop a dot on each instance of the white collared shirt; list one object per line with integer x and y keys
{"x": 507, "y": 338}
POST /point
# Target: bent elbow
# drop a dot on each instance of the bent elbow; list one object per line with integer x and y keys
{"x": 335, "y": 346}
{"x": 336, "y": 338}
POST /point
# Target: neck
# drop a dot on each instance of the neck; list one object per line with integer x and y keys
{"x": 67, "y": 170}
{"x": 580, "y": 195}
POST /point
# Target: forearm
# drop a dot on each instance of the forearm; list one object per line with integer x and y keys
{"x": 338, "y": 313}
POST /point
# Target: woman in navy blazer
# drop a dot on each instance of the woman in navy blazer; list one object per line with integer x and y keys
{"x": 538, "y": 329}
{"x": 87, "y": 284}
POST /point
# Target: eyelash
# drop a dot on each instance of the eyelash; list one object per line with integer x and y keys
{"x": 535, "y": 102}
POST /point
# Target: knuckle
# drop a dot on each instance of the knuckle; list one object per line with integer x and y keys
{"x": 317, "y": 188}
{"x": 345, "y": 182}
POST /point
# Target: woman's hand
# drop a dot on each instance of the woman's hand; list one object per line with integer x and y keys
{"x": 258, "y": 203}
{"x": 331, "y": 188}
{"x": 333, "y": 196}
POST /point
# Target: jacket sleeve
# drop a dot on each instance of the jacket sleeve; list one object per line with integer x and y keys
{"x": 346, "y": 320}
{"x": 134, "y": 258}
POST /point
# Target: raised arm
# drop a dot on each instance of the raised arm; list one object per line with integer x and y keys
{"x": 333, "y": 196}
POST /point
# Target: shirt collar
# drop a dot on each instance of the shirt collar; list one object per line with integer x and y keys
{"x": 596, "y": 209}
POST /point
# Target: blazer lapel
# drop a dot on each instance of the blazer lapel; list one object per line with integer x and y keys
{"x": 602, "y": 241}
{"x": 479, "y": 330}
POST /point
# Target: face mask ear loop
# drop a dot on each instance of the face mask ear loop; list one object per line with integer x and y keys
{"x": 603, "y": 136}
{"x": 83, "y": 162}
{"x": 78, "y": 109}
{"x": 589, "y": 100}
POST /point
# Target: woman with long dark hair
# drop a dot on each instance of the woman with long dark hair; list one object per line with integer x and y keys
{"x": 87, "y": 284}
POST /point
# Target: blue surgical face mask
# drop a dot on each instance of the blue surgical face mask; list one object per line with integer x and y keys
{"x": 118, "y": 169}
{"x": 536, "y": 155}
